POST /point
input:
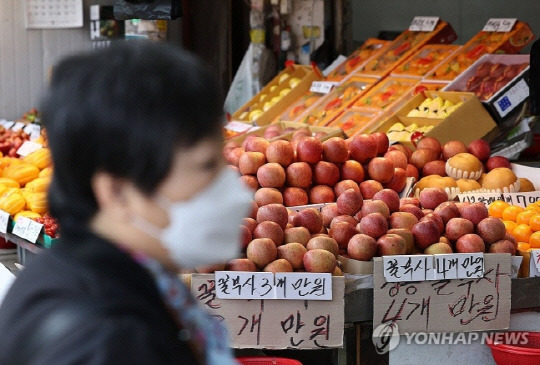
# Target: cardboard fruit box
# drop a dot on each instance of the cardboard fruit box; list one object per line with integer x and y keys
{"x": 371, "y": 48}
{"x": 483, "y": 43}
{"x": 288, "y": 86}
{"x": 425, "y": 60}
{"x": 508, "y": 89}
{"x": 466, "y": 123}
{"x": 404, "y": 46}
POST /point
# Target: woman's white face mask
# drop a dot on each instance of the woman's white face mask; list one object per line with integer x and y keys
{"x": 205, "y": 229}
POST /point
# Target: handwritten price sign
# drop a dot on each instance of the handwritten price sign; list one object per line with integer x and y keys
{"x": 4, "y": 220}
{"x": 520, "y": 199}
{"x": 423, "y": 23}
{"x": 278, "y": 324}
{"x": 27, "y": 228}
{"x": 446, "y": 305}
{"x": 499, "y": 24}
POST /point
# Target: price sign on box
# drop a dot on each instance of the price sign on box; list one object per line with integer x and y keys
{"x": 27, "y": 228}
{"x": 34, "y": 130}
{"x": 445, "y": 305}
{"x": 534, "y": 269}
{"x": 408, "y": 268}
{"x": 17, "y": 126}
{"x": 459, "y": 266}
{"x": 276, "y": 324}
{"x": 28, "y": 147}
{"x": 244, "y": 285}
{"x": 303, "y": 286}
{"x": 424, "y": 23}
{"x": 514, "y": 96}
{"x": 9, "y": 124}
{"x": 520, "y": 199}
{"x": 4, "y": 220}
{"x": 499, "y": 25}
{"x": 322, "y": 87}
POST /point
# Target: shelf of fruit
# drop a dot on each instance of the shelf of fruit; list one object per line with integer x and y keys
{"x": 356, "y": 212}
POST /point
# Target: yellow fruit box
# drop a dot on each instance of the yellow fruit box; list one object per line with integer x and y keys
{"x": 288, "y": 86}
{"x": 466, "y": 123}
{"x": 404, "y": 46}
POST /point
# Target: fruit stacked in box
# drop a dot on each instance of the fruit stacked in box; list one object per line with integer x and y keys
{"x": 358, "y": 213}
{"x": 386, "y": 94}
{"x": 364, "y": 53}
{"x": 339, "y": 99}
{"x": 484, "y": 43}
{"x": 299, "y": 107}
{"x": 403, "y": 47}
{"x": 425, "y": 59}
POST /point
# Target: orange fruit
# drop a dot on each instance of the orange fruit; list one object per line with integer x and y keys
{"x": 496, "y": 208}
{"x": 522, "y": 232}
{"x": 523, "y": 246}
{"x": 534, "y": 240}
{"x": 524, "y": 217}
{"x": 534, "y": 222}
{"x": 510, "y": 212}
{"x": 510, "y": 226}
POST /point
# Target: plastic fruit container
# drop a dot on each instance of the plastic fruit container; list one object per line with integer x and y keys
{"x": 524, "y": 354}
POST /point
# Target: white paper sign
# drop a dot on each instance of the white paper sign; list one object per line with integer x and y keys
{"x": 459, "y": 266}
{"x": 28, "y": 147}
{"x": 408, "y": 268}
{"x": 307, "y": 286}
{"x": 322, "y": 87}
{"x": 4, "y": 220}
{"x": 18, "y": 126}
{"x": 8, "y": 124}
{"x": 239, "y": 127}
{"x": 34, "y": 130}
{"x": 516, "y": 263}
{"x": 53, "y": 13}
{"x": 33, "y": 230}
{"x": 510, "y": 99}
{"x": 244, "y": 285}
{"x": 499, "y": 24}
{"x": 27, "y": 228}
{"x": 534, "y": 269}
{"x": 424, "y": 23}
{"x": 519, "y": 199}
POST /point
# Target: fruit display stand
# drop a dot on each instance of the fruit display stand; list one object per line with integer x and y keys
{"x": 425, "y": 60}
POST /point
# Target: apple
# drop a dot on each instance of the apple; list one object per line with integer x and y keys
{"x": 299, "y": 175}
{"x": 250, "y": 162}
{"x": 310, "y": 218}
{"x": 256, "y": 144}
{"x": 343, "y": 185}
{"x": 426, "y": 233}
{"x": 431, "y": 143}
{"x": 390, "y": 197}
{"x": 407, "y": 236}
{"x": 325, "y": 173}
{"x": 374, "y": 225}
{"x": 452, "y": 148}
{"x": 374, "y": 206}
{"x": 279, "y": 265}
{"x": 280, "y": 152}
{"x": 403, "y": 220}
{"x": 271, "y": 175}
{"x": 382, "y": 142}
{"x": 294, "y": 253}
{"x": 241, "y": 265}
{"x": 470, "y": 243}
{"x": 362, "y": 247}
{"x": 363, "y": 147}
{"x": 437, "y": 167}
{"x": 320, "y": 261}
{"x": 309, "y": 150}
{"x": 321, "y": 194}
{"x": 398, "y": 158}
{"x": 234, "y": 155}
{"x": 480, "y": 149}
{"x": 502, "y": 246}
{"x": 474, "y": 212}
{"x": 398, "y": 181}
{"x": 329, "y": 212}
{"x": 295, "y": 196}
{"x": 350, "y": 202}
{"x": 335, "y": 150}
{"x": 430, "y": 198}
{"x": 412, "y": 171}
{"x": 422, "y": 156}
{"x": 413, "y": 209}
{"x": 323, "y": 242}
{"x": 342, "y": 233}
{"x": 265, "y": 196}
{"x": 275, "y": 213}
{"x": 269, "y": 229}
{"x": 438, "y": 248}
{"x": 433, "y": 217}
{"x": 249, "y": 223}
{"x": 369, "y": 188}
{"x": 296, "y": 234}
{"x": 391, "y": 244}
{"x": 447, "y": 211}
{"x": 381, "y": 169}
{"x": 261, "y": 251}
{"x": 352, "y": 170}
{"x": 491, "y": 230}
{"x": 497, "y": 161}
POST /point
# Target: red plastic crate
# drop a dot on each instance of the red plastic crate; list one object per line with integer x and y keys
{"x": 267, "y": 360}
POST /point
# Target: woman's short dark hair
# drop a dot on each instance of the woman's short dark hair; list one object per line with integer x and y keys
{"x": 124, "y": 110}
